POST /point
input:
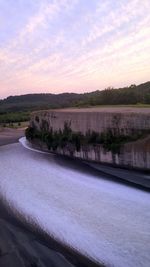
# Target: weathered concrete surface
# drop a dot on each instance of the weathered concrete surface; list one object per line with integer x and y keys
{"x": 137, "y": 178}
{"x": 136, "y": 154}
{"x": 120, "y": 120}
{"x": 123, "y": 120}
{"x": 140, "y": 179}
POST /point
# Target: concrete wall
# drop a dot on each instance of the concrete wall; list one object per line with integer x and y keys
{"x": 99, "y": 120}
{"x": 125, "y": 121}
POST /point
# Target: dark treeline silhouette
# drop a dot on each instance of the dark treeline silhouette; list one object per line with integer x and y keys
{"x": 131, "y": 95}
{"x": 31, "y": 102}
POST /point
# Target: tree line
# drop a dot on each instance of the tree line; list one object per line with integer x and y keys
{"x": 18, "y": 108}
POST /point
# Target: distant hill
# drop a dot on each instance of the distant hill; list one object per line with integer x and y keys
{"x": 31, "y": 102}
{"x": 131, "y": 95}
{"x": 110, "y": 96}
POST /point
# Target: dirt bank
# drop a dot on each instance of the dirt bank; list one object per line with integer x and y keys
{"x": 9, "y": 135}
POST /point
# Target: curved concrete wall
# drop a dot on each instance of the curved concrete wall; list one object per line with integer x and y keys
{"x": 99, "y": 120}
{"x": 120, "y": 120}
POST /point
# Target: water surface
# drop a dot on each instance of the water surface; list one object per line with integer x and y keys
{"x": 106, "y": 221}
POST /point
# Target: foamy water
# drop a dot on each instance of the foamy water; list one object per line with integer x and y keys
{"x": 106, "y": 221}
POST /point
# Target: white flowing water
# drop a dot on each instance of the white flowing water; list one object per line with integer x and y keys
{"x": 106, "y": 221}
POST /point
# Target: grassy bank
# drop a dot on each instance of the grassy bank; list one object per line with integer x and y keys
{"x": 14, "y": 119}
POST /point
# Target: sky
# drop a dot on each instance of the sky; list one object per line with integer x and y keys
{"x": 54, "y": 46}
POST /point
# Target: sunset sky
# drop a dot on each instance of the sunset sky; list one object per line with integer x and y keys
{"x": 73, "y": 45}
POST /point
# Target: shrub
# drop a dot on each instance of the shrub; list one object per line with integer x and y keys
{"x": 110, "y": 140}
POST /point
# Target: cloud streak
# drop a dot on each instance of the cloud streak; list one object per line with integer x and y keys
{"x": 76, "y": 46}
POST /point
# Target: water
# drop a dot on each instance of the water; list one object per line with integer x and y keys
{"x": 106, "y": 221}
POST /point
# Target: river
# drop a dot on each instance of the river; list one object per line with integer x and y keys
{"x": 108, "y": 222}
